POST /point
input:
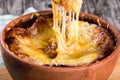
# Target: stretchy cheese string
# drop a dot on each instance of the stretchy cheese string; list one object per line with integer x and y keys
{"x": 65, "y": 17}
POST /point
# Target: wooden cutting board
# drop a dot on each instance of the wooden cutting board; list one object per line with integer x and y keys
{"x": 4, "y": 75}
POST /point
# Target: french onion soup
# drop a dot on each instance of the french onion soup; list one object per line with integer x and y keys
{"x": 61, "y": 39}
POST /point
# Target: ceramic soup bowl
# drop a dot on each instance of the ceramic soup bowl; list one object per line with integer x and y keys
{"x": 25, "y": 70}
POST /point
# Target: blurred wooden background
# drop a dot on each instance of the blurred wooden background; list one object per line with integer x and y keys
{"x": 107, "y": 9}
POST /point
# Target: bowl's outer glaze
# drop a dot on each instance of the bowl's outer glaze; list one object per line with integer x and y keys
{"x": 21, "y": 70}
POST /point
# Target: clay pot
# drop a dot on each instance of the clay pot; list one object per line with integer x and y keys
{"x": 22, "y": 70}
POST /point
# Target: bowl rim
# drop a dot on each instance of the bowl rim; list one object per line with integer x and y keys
{"x": 63, "y": 69}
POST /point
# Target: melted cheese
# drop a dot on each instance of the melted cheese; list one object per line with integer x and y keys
{"x": 73, "y": 37}
{"x": 66, "y": 27}
{"x": 82, "y": 53}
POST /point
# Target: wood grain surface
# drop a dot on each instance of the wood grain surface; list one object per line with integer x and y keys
{"x": 106, "y": 9}
{"x": 4, "y": 75}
